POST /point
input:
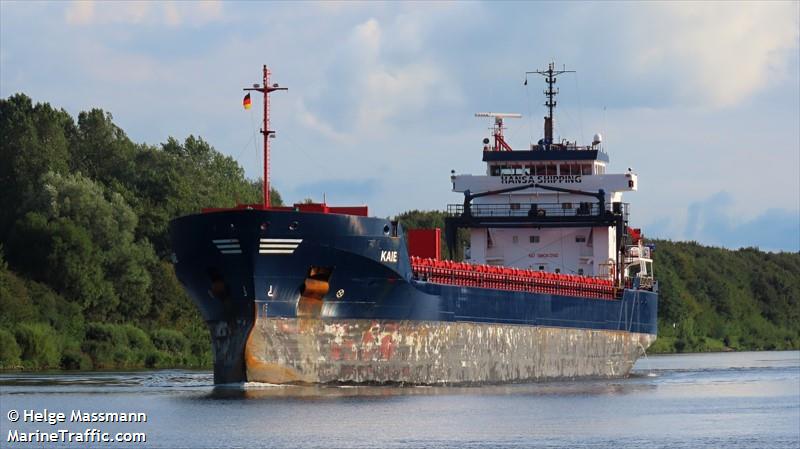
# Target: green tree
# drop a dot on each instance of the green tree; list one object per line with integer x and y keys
{"x": 275, "y": 197}
{"x": 100, "y": 149}
{"x": 86, "y": 246}
{"x": 34, "y": 141}
{"x": 9, "y": 350}
{"x": 39, "y": 345}
{"x": 715, "y": 297}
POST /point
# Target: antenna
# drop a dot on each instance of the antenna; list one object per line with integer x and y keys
{"x": 550, "y": 79}
{"x": 266, "y": 89}
{"x": 497, "y": 131}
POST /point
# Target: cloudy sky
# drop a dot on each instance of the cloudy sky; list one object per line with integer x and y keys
{"x": 701, "y": 100}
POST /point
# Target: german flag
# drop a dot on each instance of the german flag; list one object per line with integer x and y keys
{"x": 246, "y": 102}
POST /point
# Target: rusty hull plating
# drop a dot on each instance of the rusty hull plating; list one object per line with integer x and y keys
{"x": 307, "y": 351}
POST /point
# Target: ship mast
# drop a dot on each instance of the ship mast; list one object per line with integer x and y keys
{"x": 266, "y": 89}
{"x": 550, "y": 79}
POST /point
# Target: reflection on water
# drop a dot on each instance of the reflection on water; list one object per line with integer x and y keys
{"x": 152, "y": 381}
{"x": 266, "y": 391}
{"x": 99, "y": 382}
{"x": 744, "y": 400}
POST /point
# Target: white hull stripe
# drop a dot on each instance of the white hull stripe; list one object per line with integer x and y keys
{"x": 275, "y": 251}
{"x": 266, "y": 246}
{"x": 278, "y": 246}
{"x": 228, "y": 246}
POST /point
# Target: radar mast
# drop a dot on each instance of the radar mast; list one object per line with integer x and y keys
{"x": 550, "y": 79}
{"x": 266, "y": 89}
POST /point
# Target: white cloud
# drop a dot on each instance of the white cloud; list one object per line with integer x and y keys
{"x": 80, "y": 13}
{"x": 172, "y": 16}
{"x": 388, "y": 93}
{"x": 366, "y": 40}
{"x": 309, "y": 120}
{"x": 169, "y": 13}
{"x": 206, "y": 11}
{"x": 382, "y": 89}
{"x": 103, "y": 64}
{"x": 711, "y": 221}
{"x": 715, "y": 54}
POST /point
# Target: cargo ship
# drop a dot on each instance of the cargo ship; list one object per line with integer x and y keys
{"x": 553, "y": 283}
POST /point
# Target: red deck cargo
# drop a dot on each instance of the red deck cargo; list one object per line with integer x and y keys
{"x": 425, "y": 243}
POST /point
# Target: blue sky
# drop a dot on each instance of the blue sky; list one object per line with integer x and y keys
{"x": 701, "y": 99}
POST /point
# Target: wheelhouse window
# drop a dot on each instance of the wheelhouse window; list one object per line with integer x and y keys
{"x": 515, "y": 170}
{"x": 570, "y": 169}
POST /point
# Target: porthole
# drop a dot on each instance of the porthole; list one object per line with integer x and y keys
{"x": 386, "y": 229}
{"x": 293, "y": 226}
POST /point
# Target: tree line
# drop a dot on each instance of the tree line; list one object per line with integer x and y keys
{"x": 85, "y": 277}
{"x": 86, "y": 281}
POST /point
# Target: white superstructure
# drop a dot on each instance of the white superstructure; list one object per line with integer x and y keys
{"x": 589, "y": 250}
{"x": 552, "y": 207}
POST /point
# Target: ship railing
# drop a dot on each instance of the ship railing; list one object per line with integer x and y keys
{"x": 634, "y": 252}
{"x": 537, "y": 210}
{"x": 511, "y": 279}
{"x": 566, "y": 145}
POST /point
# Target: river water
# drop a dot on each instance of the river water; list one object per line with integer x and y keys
{"x": 726, "y": 400}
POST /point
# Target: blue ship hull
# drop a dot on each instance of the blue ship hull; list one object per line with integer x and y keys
{"x": 271, "y": 313}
